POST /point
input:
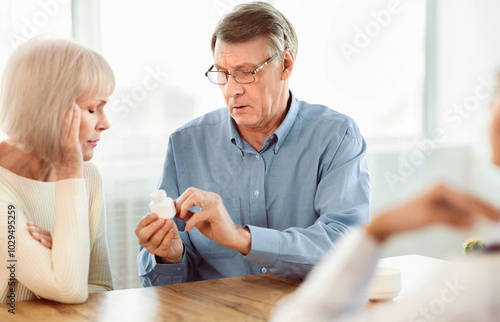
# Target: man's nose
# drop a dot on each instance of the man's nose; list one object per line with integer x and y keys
{"x": 232, "y": 88}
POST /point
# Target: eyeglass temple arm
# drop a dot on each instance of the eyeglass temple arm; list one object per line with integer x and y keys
{"x": 267, "y": 62}
{"x": 206, "y": 73}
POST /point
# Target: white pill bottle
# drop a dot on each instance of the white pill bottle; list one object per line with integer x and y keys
{"x": 162, "y": 205}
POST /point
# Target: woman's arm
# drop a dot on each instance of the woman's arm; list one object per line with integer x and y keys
{"x": 99, "y": 272}
{"x": 335, "y": 289}
{"x": 335, "y": 286}
{"x": 100, "y": 279}
{"x": 61, "y": 273}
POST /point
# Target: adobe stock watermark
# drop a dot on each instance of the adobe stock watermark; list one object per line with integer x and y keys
{"x": 437, "y": 306}
{"x": 39, "y": 20}
{"x": 454, "y": 116}
{"x": 125, "y": 102}
{"x": 364, "y": 36}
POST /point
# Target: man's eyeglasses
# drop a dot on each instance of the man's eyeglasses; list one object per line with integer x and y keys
{"x": 239, "y": 76}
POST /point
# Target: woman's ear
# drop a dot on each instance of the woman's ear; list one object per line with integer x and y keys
{"x": 288, "y": 63}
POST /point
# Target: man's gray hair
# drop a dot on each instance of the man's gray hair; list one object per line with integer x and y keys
{"x": 256, "y": 19}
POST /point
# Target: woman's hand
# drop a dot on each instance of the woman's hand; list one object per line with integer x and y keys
{"x": 42, "y": 235}
{"x": 439, "y": 205}
{"x": 71, "y": 163}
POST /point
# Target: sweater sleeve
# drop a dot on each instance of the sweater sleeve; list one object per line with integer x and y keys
{"x": 335, "y": 290}
{"x": 99, "y": 271}
{"x": 100, "y": 279}
{"x": 60, "y": 274}
{"x": 336, "y": 286}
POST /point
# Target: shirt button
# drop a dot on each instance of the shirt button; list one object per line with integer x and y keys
{"x": 256, "y": 193}
{"x": 257, "y": 156}
{"x": 264, "y": 270}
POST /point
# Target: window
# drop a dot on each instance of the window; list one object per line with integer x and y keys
{"x": 368, "y": 59}
{"x": 21, "y": 20}
{"x": 27, "y": 19}
{"x": 364, "y": 58}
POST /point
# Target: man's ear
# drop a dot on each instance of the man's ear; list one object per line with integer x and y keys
{"x": 288, "y": 63}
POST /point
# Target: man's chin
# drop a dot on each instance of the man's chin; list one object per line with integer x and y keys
{"x": 243, "y": 120}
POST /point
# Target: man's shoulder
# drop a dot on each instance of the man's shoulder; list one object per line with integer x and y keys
{"x": 323, "y": 116}
{"x": 205, "y": 122}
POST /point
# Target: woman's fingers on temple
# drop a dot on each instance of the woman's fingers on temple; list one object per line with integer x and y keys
{"x": 68, "y": 120}
{"x": 75, "y": 124}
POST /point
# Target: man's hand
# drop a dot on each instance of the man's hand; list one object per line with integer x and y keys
{"x": 42, "y": 235}
{"x": 160, "y": 237}
{"x": 441, "y": 204}
{"x": 213, "y": 220}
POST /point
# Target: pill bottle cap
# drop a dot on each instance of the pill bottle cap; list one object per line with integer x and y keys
{"x": 159, "y": 195}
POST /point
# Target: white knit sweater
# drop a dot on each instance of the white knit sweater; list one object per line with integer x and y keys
{"x": 73, "y": 212}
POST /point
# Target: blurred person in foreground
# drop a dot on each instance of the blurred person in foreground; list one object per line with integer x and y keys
{"x": 53, "y": 95}
{"x": 335, "y": 290}
{"x": 278, "y": 180}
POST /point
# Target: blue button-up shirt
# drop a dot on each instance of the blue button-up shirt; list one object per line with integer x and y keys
{"x": 307, "y": 187}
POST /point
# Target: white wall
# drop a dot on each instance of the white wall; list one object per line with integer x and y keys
{"x": 458, "y": 149}
{"x": 455, "y": 165}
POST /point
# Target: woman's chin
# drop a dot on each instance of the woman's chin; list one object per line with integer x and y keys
{"x": 88, "y": 156}
{"x": 496, "y": 160}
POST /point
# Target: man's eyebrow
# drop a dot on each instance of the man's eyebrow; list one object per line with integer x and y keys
{"x": 244, "y": 66}
{"x": 217, "y": 67}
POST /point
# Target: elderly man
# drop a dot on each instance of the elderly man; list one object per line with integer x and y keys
{"x": 267, "y": 184}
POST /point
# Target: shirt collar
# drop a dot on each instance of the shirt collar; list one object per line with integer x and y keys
{"x": 281, "y": 132}
{"x": 234, "y": 136}
{"x": 285, "y": 126}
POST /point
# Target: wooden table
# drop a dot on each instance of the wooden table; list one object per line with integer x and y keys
{"x": 244, "y": 298}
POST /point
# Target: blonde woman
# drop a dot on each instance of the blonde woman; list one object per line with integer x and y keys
{"x": 52, "y": 102}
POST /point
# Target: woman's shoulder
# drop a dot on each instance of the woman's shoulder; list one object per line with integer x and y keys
{"x": 91, "y": 173}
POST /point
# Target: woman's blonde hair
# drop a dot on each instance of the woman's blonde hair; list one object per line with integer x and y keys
{"x": 40, "y": 83}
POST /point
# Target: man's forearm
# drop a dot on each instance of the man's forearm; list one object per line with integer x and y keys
{"x": 245, "y": 241}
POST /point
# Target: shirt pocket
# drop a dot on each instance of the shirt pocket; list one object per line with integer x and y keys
{"x": 209, "y": 249}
